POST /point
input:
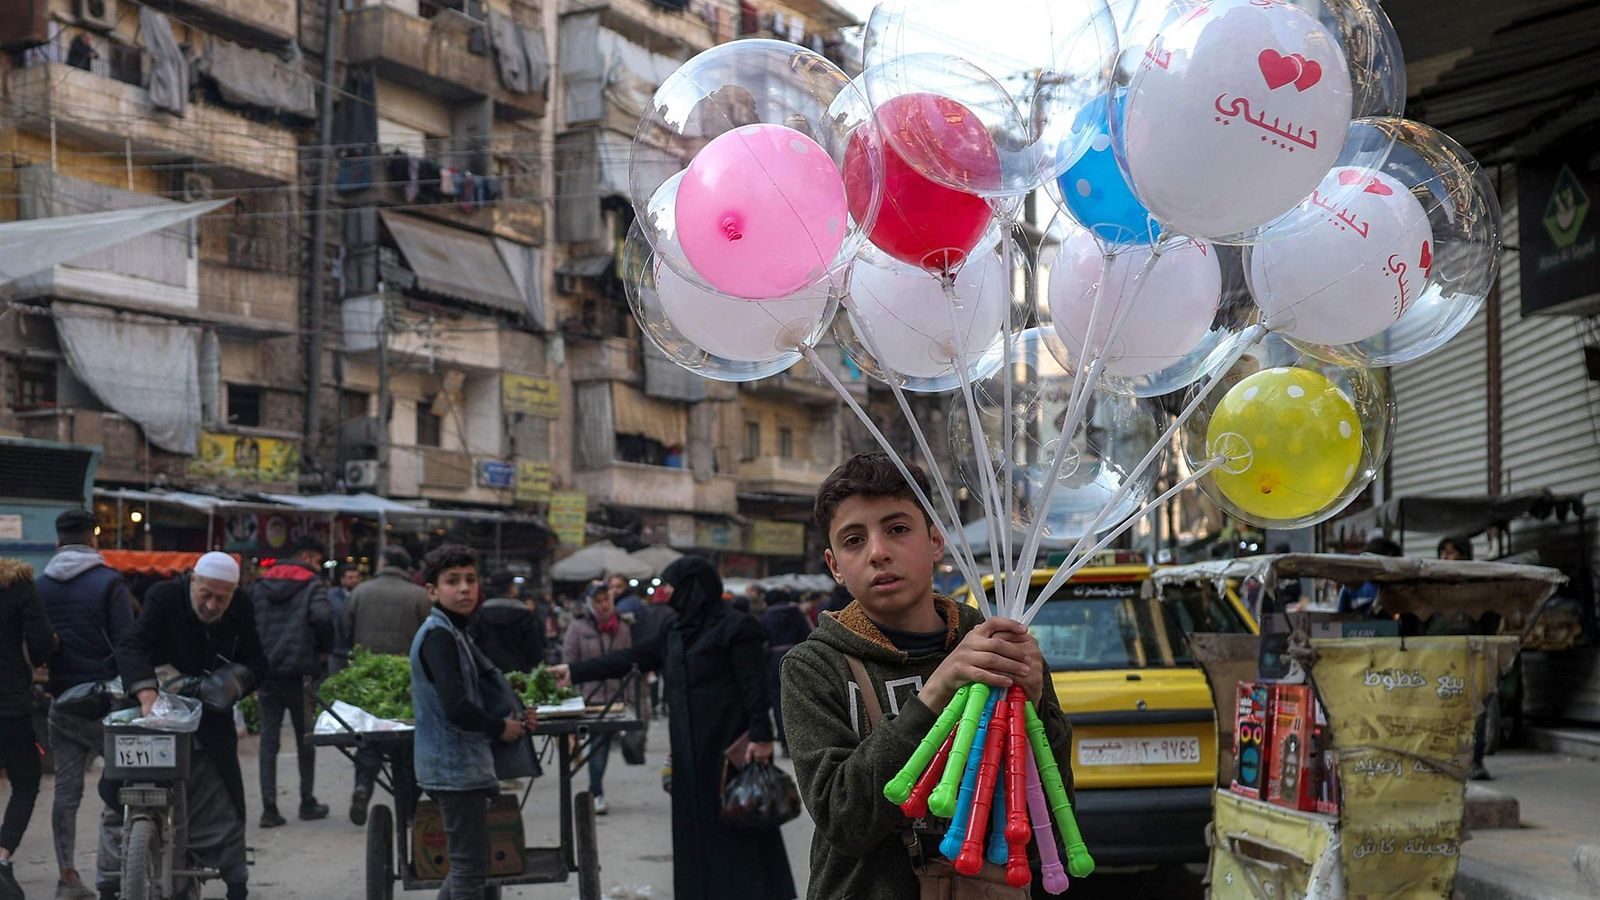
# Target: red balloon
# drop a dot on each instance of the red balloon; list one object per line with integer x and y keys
{"x": 920, "y": 221}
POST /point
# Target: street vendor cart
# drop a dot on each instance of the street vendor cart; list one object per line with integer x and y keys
{"x": 1349, "y": 740}
{"x": 394, "y": 836}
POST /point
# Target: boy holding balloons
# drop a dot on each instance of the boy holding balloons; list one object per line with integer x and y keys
{"x": 866, "y": 687}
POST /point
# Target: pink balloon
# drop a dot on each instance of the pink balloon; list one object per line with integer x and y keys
{"x": 761, "y": 212}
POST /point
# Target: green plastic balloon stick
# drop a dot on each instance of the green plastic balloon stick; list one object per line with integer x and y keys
{"x": 1079, "y": 862}
{"x": 899, "y": 787}
{"x": 942, "y": 802}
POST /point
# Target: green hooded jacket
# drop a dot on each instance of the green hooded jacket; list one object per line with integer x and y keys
{"x": 857, "y": 850}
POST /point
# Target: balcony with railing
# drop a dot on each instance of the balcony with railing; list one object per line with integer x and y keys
{"x": 781, "y": 475}
{"x": 121, "y": 443}
{"x": 658, "y": 487}
{"x": 446, "y": 55}
{"x": 661, "y": 26}
{"x": 117, "y": 113}
{"x": 435, "y": 473}
{"x": 265, "y": 22}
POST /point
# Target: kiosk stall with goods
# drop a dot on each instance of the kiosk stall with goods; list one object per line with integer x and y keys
{"x": 405, "y": 844}
{"x": 1349, "y": 740}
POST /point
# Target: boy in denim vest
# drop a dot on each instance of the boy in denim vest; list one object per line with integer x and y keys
{"x": 454, "y": 741}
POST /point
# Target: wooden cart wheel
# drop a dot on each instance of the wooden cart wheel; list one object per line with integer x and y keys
{"x": 380, "y": 853}
{"x": 588, "y": 847}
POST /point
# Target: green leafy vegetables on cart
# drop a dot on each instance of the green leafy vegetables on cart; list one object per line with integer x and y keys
{"x": 538, "y": 688}
{"x": 376, "y": 682}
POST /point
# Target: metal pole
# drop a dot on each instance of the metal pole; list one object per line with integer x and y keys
{"x": 211, "y": 528}
{"x": 319, "y": 226}
{"x": 127, "y": 158}
{"x": 52, "y": 144}
{"x": 383, "y": 537}
{"x": 119, "y": 522}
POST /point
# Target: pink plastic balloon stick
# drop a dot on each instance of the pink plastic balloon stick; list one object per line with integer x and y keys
{"x": 1055, "y": 877}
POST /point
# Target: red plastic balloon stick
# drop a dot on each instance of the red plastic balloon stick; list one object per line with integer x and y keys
{"x": 916, "y": 805}
{"x": 970, "y": 862}
{"x": 1016, "y": 785}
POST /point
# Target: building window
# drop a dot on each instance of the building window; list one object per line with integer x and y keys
{"x": 244, "y": 405}
{"x": 34, "y": 386}
{"x": 786, "y": 443}
{"x": 354, "y": 404}
{"x": 752, "y": 440}
{"x": 430, "y": 427}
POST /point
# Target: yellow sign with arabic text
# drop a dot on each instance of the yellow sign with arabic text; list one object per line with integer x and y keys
{"x": 245, "y": 458}
{"x": 768, "y": 538}
{"x": 530, "y": 395}
{"x": 533, "y": 481}
{"x": 568, "y": 512}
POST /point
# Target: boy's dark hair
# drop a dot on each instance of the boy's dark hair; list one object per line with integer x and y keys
{"x": 1462, "y": 545}
{"x": 447, "y": 556}
{"x": 307, "y": 543}
{"x": 866, "y": 475}
{"x": 75, "y": 526}
{"x": 1382, "y": 546}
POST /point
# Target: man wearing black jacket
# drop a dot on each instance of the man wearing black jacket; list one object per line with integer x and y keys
{"x": 26, "y": 641}
{"x": 294, "y": 616}
{"x": 200, "y": 625}
{"x": 505, "y": 629}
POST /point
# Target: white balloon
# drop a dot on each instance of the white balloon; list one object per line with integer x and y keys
{"x": 744, "y": 330}
{"x": 1351, "y": 273}
{"x": 1172, "y": 312}
{"x": 916, "y": 329}
{"x": 1237, "y": 112}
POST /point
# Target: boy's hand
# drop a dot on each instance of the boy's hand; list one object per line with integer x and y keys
{"x": 512, "y": 731}
{"x": 995, "y": 653}
{"x": 1033, "y": 684}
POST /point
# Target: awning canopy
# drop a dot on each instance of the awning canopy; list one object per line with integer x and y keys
{"x": 1458, "y": 516}
{"x": 599, "y": 560}
{"x": 33, "y": 245}
{"x": 634, "y": 412}
{"x": 455, "y": 263}
{"x": 1407, "y": 584}
{"x": 657, "y": 557}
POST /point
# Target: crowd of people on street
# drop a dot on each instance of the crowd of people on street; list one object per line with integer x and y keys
{"x": 741, "y": 679}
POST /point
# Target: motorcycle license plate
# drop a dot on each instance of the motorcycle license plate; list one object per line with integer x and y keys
{"x": 146, "y": 751}
{"x": 1136, "y": 751}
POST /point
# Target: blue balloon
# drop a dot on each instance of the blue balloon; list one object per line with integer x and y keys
{"x": 1095, "y": 191}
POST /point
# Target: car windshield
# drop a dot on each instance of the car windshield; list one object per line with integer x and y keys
{"x": 1111, "y": 626}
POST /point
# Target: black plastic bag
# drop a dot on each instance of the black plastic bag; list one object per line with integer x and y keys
{"x": 759, "y": 795}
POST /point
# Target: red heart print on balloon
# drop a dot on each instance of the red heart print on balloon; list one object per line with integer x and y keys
{"x": 1277, "y": 69}
{"x": 1350, "y": 176}
{"x": 1377, "y": 187}
{"x": 1426, "y": 261}
{"x": 1310, "y": 72}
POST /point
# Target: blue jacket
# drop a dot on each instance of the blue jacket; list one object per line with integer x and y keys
{"x": 448, "y": 758}
{"x": 90, "y": 609}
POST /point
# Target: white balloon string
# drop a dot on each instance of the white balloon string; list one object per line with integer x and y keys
{"x": 883, "y": 442}
{"x": 1246, "y": 340}
{"x": 986, "y": 477}
{"x": 1006, "y": 345}
{"x": 958, "y": 545}
{"x": 1067, "y": 571}
{"x": 1082, "y": 389}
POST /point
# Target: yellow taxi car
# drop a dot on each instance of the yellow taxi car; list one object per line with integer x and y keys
{"x": 1144, "y": 742}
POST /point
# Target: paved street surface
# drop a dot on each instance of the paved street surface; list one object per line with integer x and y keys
{"x": 1558, "y": 795}
{"x": 325, "y": 860}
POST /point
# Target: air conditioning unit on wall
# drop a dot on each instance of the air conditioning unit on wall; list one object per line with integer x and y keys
{"x": 101, "y": 14}
{"x": 196, "y": 187}
{"x": 361, "y": 473}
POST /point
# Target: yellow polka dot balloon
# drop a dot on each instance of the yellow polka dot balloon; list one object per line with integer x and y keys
{"x": 1291, "y": 439}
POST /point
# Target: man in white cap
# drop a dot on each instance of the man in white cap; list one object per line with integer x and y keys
{"x": 201, "y": 625}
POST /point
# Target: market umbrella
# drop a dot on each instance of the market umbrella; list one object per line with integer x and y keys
{"x": 598, "y": 560}
{"x": 657, "y": 557}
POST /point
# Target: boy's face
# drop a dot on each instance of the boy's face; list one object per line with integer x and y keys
{"x": 456, "y": 590}
{"x": 884, "y": 550}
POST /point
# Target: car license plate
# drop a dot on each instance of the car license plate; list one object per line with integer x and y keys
{"x": 1138, "y": 751}
{"x": 146, "y": 751}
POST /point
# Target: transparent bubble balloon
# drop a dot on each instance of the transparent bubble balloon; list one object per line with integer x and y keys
{"x": 755, "y": 134}
{"x": 714, "y": 335}
{"x": 903, "y": 324}
{"x": 1393, "y": 272}
{"x": 1112, "y": 436}
{"x": 1046, "y": 57}
{"x": 1298, "y": 438}
{"x": 1180, "y": 311}
{"x": 1236, "y": 109}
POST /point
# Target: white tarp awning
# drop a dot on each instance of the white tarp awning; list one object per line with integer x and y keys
{"x": 657, "y": 557}
{"x": 145, "y": 367}
{"x": 33, "y": 245}
{"x": 600, "y": 560}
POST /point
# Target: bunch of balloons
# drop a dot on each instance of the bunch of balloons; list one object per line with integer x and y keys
{"x": 986, "y": 766}
{"x": 1245, "y": 225}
